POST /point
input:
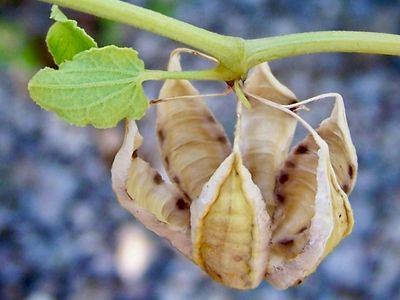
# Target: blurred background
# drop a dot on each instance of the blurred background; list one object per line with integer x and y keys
{"x": 64, "y": 236}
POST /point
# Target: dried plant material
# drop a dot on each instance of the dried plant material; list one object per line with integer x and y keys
{"x": 162, "y": 199}
{"x": 313, "y": 213}
{"x": 267, "y": 132}
{"x": 158, "y": 205}
{"x": 193, "y": 143}
{"x": 230, "y": 225}
{"x": 264, "y": 215}
{"x": 335, "y": 131}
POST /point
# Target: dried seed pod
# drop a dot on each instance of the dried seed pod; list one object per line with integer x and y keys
{"x": 267, "y": 132}
{"x": 230, "y": 226}
{"x": 162, "y": 199}
{"x": 313, "y": 213}
{"x": 192, "y": 142}
{"x": 335, "y": 132}
{"x": 231, "y": 236}
{"x": 156, "y": 204}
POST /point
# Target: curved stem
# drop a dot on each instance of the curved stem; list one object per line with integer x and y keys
{"x": 224, "y": 48}
{"x": 267, "y": 49}
{"x": 235, "y": 54}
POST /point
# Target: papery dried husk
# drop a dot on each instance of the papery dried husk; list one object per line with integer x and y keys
{"x": 228, "y": 231}
{"x": 266, "y": 132}
{"x": 192, "y": 142}
{"x": 158, "y": 205}
{"x": 313, "y": 212}
{"x": 335, "y": 131}
{"x": 230, "y": 226}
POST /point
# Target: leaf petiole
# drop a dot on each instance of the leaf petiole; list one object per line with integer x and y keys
{"x": 217, "y": 73}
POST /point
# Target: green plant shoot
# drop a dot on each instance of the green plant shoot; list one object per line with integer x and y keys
{"x": 101, "y": 86}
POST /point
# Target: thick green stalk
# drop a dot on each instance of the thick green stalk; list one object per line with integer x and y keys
{"x": 235, "y": 54}
{"x": 228, "y": 50}
{"x": 267, "y": 49}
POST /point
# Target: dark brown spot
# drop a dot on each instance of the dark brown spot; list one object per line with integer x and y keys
{"x": 266, "y": 274}
{"x": 301, "y": 149}
{"x": 280, "y": 198}
{"x": 351, "y": 171}
{"x": 283, "y": 178}
{"x": 176, "y": 180}
{"x": 290, "y": 164}
{"x": 134, "y": 154}
{"x": 345, "y": 188}
{"x": 157, "y": 179}
{"x": 302, "y": 229}
{"x": 237, "y": 258}
{"x": 230, "y": 83}
{"x": 295, "y": 107}
{"x": 161, "y": 136}
{"x": 130, "y": 197}
{"x": 299, "y": 281}
{"x": 181, "y": 204}
{"x": 222, "y": 139}
{"x": 286, "y": 242}
{"x": 340, "y": 215}
{"x": 166, "y": 159}
{"x": 218, "y": 275}
{"x": 210, "y": 119}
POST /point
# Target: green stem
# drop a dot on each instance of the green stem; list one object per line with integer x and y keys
{"x": 225, "y": 48}
{"x": 211, "y": 74}
{"x": 267, "y": 49}
{"x": 235, "y": 54}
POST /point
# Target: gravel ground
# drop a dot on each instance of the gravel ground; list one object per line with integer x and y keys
{"x": 63, "y": 235}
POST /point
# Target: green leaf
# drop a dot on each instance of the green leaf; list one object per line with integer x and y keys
{"x": 57, "y": 14}
{"x": 65, "y": 38}
{"x": 99, "y": 86}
